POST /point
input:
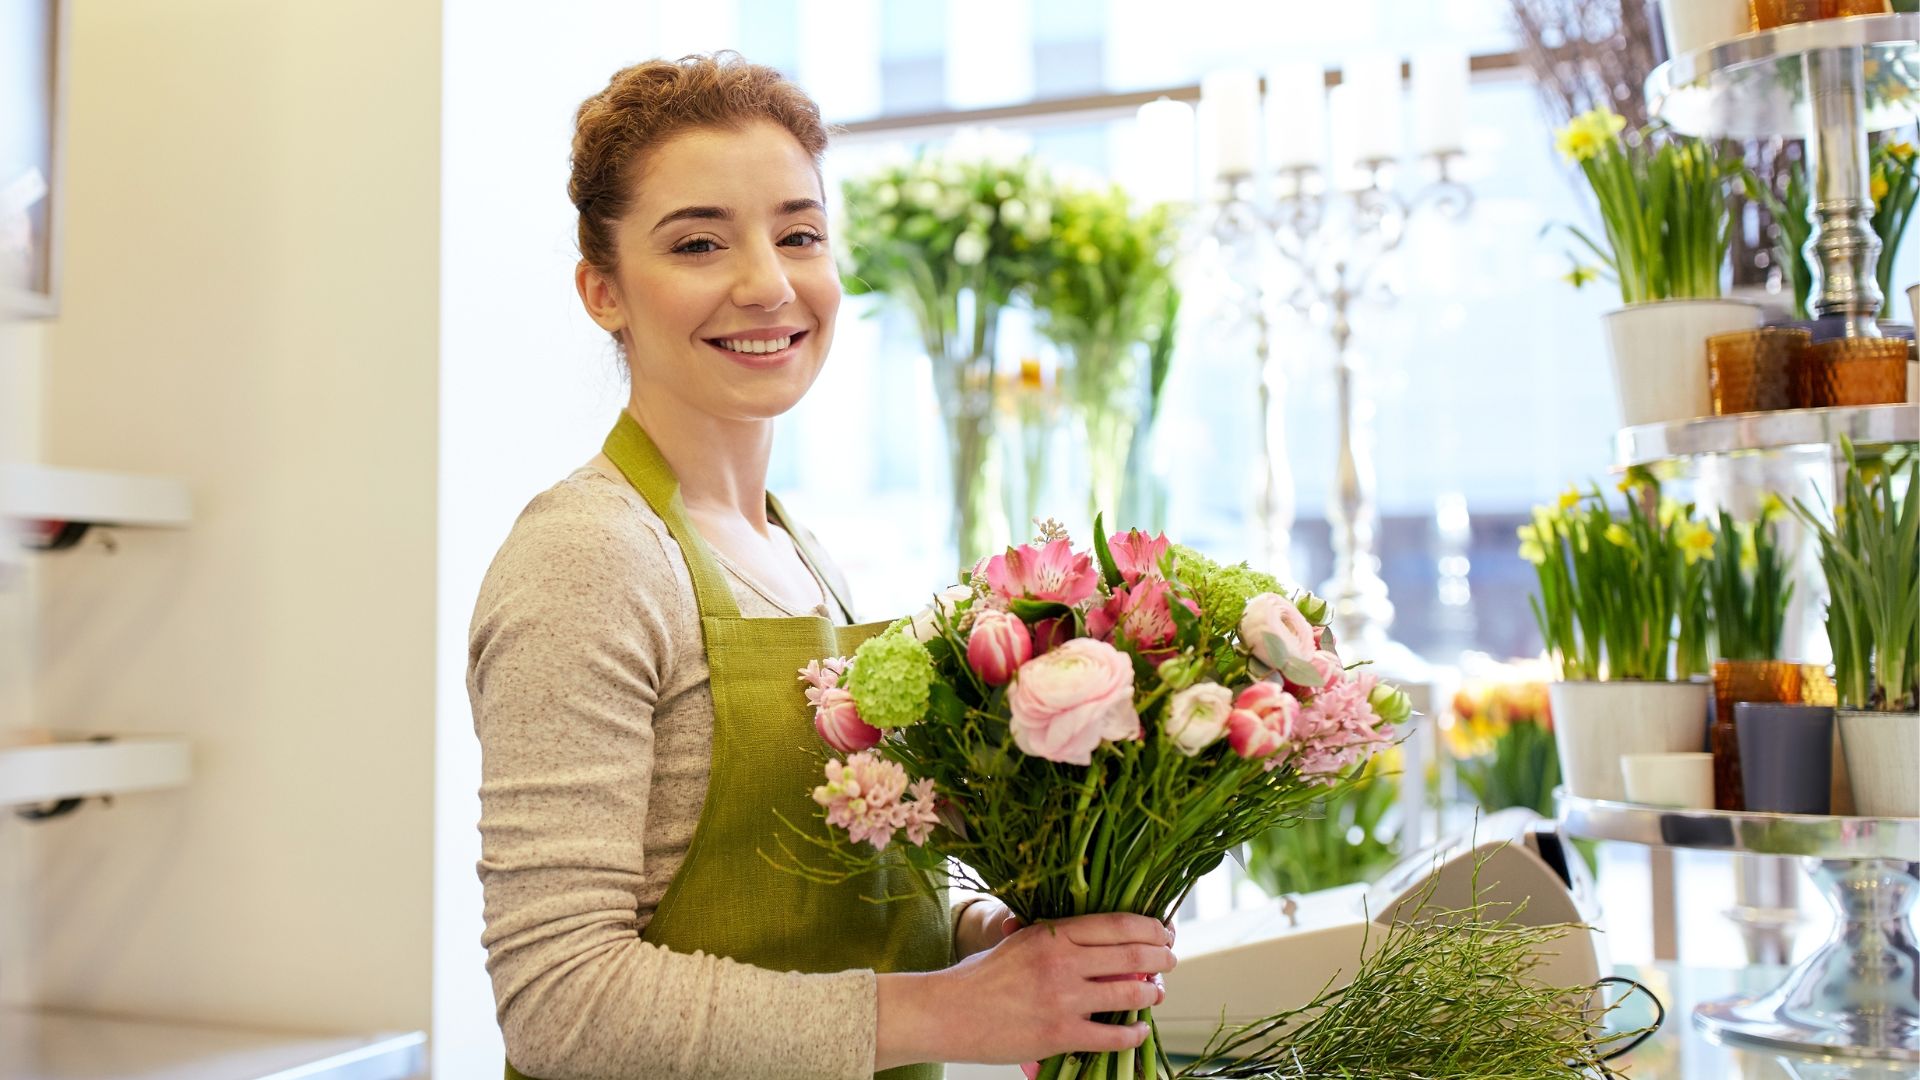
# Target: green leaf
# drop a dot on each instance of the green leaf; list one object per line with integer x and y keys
{"x": 1032, "y": 611}
{"x": 1105, "y": 554}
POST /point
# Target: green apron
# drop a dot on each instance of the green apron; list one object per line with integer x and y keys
{"x": 726, "y": 900}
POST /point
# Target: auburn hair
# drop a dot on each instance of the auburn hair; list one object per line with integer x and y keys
{"x": 650, "y": 102}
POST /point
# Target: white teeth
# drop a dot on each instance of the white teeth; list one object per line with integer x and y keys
{"x": 771, "y": 345}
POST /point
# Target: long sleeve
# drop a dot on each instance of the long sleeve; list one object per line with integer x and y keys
{"x": 588, "y": 685}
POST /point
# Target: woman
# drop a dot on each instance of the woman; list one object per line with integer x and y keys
{"x": 632, "y": 670}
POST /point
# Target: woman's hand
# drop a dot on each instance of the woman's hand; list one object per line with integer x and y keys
{"x": 982, "y": 925}
{"x": 1028, "y": 997}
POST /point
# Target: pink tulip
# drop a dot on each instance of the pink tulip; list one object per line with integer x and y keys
{"x": 1262, "y": 697}
{"x": 1263, "y": 721}
{"x": 999, "y": 644}
{"x": 839, "y": 723}
{"x": 1052, "y": 573}
{"x": 1136, "y": 555}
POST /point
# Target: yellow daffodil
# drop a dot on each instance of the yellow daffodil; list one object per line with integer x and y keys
{"x": 1530, "y": 547}
{"x": 1749, "y": 549}
{"x": 1618, "y": 535}
{"x": 1569, "y": 499}
{"x": 1586, "y": 135}
{"x": 1879, "y": 185}
{"x": 1579, "y": 276}
{"x": 1900, "y": 151}
{"x": 1695, "y": 540}
{"x": 1669, "y": 512}
{"x": 1771, "y": 507}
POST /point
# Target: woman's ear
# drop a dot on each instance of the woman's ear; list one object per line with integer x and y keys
{"x": 600, "y": 296}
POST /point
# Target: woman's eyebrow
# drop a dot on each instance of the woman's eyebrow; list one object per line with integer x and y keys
{"x": 721, "y": 213}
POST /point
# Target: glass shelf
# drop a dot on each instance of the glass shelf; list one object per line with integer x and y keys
{"x": 1867, "y": 426}
{"x": 1754, "y": 86}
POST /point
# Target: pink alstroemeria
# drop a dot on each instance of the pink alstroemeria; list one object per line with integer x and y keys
{"x": 1052, "y": 573}
{"x": 1136, "y": 555}
{"x": 1140, "y": 614}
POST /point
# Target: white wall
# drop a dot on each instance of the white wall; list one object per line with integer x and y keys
{"x": 250, "y": 304}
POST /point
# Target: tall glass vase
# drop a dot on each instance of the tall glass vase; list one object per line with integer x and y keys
{"x": 1103, "y": 383}
{"x": 1029, "y": 412}
{"x": 962, "y": 353}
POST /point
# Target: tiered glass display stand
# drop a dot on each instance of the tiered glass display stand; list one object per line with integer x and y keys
{"x": 1831, "y": 83}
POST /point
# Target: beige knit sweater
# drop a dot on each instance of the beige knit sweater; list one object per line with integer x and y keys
{"x": 590, "y": 697}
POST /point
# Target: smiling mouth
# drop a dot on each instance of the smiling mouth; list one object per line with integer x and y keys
{"x": 757, "y": 347}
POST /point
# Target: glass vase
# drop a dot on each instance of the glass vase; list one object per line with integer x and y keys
{"x": 1103, "y": 387}
{"x": 961, "y": 350}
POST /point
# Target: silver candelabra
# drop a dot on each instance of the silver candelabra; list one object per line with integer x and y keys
{"x": 1331, "y": 246}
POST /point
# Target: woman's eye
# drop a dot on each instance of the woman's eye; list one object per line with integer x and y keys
{"x": 803, "y": 238}
{"x": 699, "y": 246}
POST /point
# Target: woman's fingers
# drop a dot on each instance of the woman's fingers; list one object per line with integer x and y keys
{"x": 1123, "y": 995}
{"x": 1128, "y": 960}
{"x": 1093, "y": 1037}
{"x": 1116, "y": 929}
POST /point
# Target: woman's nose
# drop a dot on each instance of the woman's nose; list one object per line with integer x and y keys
{"x": 763, "y": 280}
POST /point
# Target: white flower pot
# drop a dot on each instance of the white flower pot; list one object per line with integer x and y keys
{"x": 1883, "y": 761}
{"x": 1659, "y": 354}
{"x": 1596, "y": 723}
{"x": 1696, "y": 24}
{"x": 1678, "y": 780}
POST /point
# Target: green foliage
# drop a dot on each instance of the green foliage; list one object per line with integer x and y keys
{"x": 1870, "y": 552}
{"x": 1521, "y": 769}
{"x": 1747, "y": 588}
{"x": 1337, "y": 842}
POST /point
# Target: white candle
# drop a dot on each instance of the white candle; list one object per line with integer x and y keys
{"x": 1375, "y": 107}
{"x": 1439, "y": 101}
{"x": 1231, "y": 101}
{"x": 1163, "y": 138}
{"x": 1297, "y": 115}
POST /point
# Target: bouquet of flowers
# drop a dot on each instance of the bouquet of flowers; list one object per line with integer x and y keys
{"x": 1090, "y": 731}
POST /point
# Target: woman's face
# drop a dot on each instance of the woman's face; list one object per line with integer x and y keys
{"x": 725, "y": 288}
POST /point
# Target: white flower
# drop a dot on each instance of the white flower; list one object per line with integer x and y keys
{"x": 924, "y": 192}
{"x": 1003, "y": 190}
{"x": 1013, "y": 211}
{"x": 969, "y": 248}
{"x": 886, "y": 196}
{"x": 952, "y": 203}
{"x": 1197, "y": 717}
{"x": 924, "y": 626}
{"x": 981, "y": 214}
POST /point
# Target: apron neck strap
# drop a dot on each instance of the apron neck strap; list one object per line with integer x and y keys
{"x": 639, "y": 460}
{"x": 818, "y": 566}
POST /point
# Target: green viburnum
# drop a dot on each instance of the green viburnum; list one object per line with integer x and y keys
{"x": 1223, "y": 591}
{"x": 890, "y": 680}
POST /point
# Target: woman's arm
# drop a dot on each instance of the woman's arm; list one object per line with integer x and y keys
{"x": 571, "y": 646}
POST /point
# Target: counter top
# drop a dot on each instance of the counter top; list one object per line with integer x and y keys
{"x": 51, "y": 1044}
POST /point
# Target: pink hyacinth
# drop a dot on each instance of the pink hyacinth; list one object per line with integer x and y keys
{"x": 822, "y": 675}
{"x": 1338, "y": 728}
{"x": 1053, "y": 573}
{"x": 1136, "y": 555}
{"x": 863, "y": 795}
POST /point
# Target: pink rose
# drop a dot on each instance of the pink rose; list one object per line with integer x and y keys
{"x": 1136, "y": 556}
{"x": 999, "y": 644}
{"x": 838, "y": 721}
{"x": 1067, "y": 701}
{"x": 1051, "y": 573}
{"x": 1270, "y": 614}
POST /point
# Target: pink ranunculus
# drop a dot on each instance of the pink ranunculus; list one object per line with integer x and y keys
{"x": 1270, "y": 614}
{"x": 999, "y": 644}
{"x": 1197, "y": 717}
{"x": 1067, "y": 701}
{"x": 1053, "y": 573}
{"x": 1136, "y": 555}
{"x": 838, "y": 721}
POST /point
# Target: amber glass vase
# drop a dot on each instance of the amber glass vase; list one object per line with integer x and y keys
{"x": 1742, "y": 680}
{"x": 1853, "y": 371}
{"x": 1767, "y": 14}
{"x": 1754, "y": 370}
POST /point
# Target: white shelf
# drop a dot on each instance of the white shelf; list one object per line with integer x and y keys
{"x": 72, "y": 767}
{"x": 50, "y": 1044}
{"x": 46, "y": 493}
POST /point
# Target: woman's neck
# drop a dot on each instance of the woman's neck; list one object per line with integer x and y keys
{"x": 721, "y": 465}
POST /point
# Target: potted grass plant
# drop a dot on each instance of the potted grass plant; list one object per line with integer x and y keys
{"x": 1665, "y": 228}
{"x": 1619, "y": 608}
{"x": 1747, "y": 595}
{"x": 1870, "y": 553}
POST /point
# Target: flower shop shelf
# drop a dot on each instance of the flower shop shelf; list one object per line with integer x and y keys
{"x": 1856, "y": 995}
{"x": 1866, "y": 425}
{"x": 69, "y": 767}
{"x": 46, "y": 493}
{"x": 1753, "y": 86}
{"x": 53, "y": 1044}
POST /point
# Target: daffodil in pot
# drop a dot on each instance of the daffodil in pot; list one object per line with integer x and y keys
{"x": 1619, "y": 607}
{"x": 1870, "y": 553}
{"x": 1662, "y": 204}
{"x": 1747, "y": 595}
